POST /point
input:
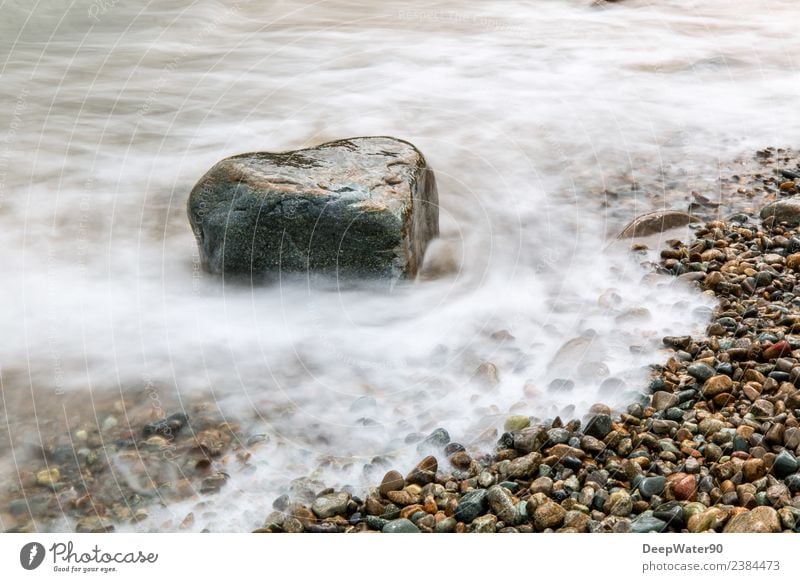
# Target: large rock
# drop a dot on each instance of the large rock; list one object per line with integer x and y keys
{"x": 364, "y": 207}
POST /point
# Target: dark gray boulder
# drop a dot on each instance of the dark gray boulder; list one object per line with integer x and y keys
{"x": 363, "y": 207}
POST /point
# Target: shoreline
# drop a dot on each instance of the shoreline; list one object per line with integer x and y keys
{"x": 713, "y": 448}
{"x": 703, "y": 458}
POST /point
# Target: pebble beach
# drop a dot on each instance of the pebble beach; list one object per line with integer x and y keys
{"x": 710, "y": 444}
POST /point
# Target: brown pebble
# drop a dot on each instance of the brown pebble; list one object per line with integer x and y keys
{"x": 793, "y": 261}
{"x": 754, "y": 469}
{"x": 717, "y": 385}
{"x": 410, "y": 510}
{"x": 403, "y": 498}
{"x": 392, "y": 481}
{"x": 460, "y": 460}
{"x": 684, "y": 488}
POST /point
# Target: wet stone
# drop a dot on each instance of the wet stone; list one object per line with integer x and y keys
{"x": 558, "y": 436}
{"x": 647, "y": 523}
{"x": 424, "y": 472}
{"x": 762, "y": 408}
{"x": 438, "y": 439}
{"x": 598, "y": 426}
{"x": 447, "y": 525}
{"x": 486, "y": 479}
{"x": 94, "y": 524}
{"x": 758, "y": 520}
{"x": 650, "y": 486}
{"x": 502, "y": 505}
{"x": 754, "y": 469}
{"x": 392, "y": 481}
{"x": 472, "y": 504}
{"x": 717, "y": 385}
{"x": 793, "y": 483}
{"x": 619, "y": 504}
{"x": 542, "y": 485}
{"x": 664, "y": 400}
{"x": 400, "y": 526}
{"x": 330, "y": 505}
{"x": 785, "y": 464}
{"x": 365, "y": 206}
{"x": 516, "y": 423}
{"x": 484, "y": 524}
{"x": 548, "y": 515}
{"x": 167, "y": 427}
{"x": 700, "y": 371}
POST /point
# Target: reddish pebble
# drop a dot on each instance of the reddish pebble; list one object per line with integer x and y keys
{"x": 777, "y": 350}
{"x": 685, "y": 488}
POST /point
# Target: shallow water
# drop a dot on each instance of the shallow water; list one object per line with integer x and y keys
{"x": 529, "y": 113}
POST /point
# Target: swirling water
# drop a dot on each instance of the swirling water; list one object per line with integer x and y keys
{"x": 527, "y": 111}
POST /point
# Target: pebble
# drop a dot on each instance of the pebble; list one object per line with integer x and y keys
{"x": 647, "y": 523}
{"x": 447, "y": 525}
{"x": 717, "y": 385}
{"x": 484, "y": 524}
{"x": 502, "y": 504}
{"x": 754, "y": 469}
{"x": 785, "y": 464}
{"x": 403, "y": 498}
{"x": 664, "y": 400}
{"x": 777, "y": 350}
{"x": 758, "y": 520}
{"x": 48, "y": 477}
{"x": 700, "y": 371}
{"x": 762, "y": 408}
{"x": 109, "y": 423}
{"x": 709, "y": 519}
{"x": 392, "y": 481}
{"x": 400, "y": 526}
{"x": 424, "y": 472}
{"x": 438, "y": 439}
{"x": 684, "y": 487}
{"x": 516, "y": 423}
{"x": 793, "y": 483}
{"x": 650, "y": 486}
{"x": 558, "y": 436}
{"x": 486, "y": 479}
{"x": 471, "y": 505}
{"x": 94, "y": 524}
{"x": 167, "y": 427}
{"x": 525, "y": 466}
{"x": 619, "y": 504}
{"x": 548, "y": 515}
{"x": 542, "y": 485}
{"x": 487, "y": 375}
{"x": 598, "y": 426}
{"x": 330, "y": 505}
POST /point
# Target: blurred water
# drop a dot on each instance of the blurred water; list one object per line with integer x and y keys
{"x": 525, "y": 110}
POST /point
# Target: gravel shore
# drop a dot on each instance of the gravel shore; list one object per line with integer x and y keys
{"x": 712, "y": 446}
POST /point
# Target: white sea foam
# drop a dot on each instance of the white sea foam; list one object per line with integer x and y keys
{"x": 111, "y": 113}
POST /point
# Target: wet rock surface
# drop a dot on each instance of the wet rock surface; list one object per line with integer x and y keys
{"x": 713, "y": 445}
{"x": 363, "y": 207}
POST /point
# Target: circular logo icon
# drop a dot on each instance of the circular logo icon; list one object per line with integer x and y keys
{"x": 31, "y": 555}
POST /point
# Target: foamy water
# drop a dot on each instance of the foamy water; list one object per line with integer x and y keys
{"x": 524, "y": 109}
